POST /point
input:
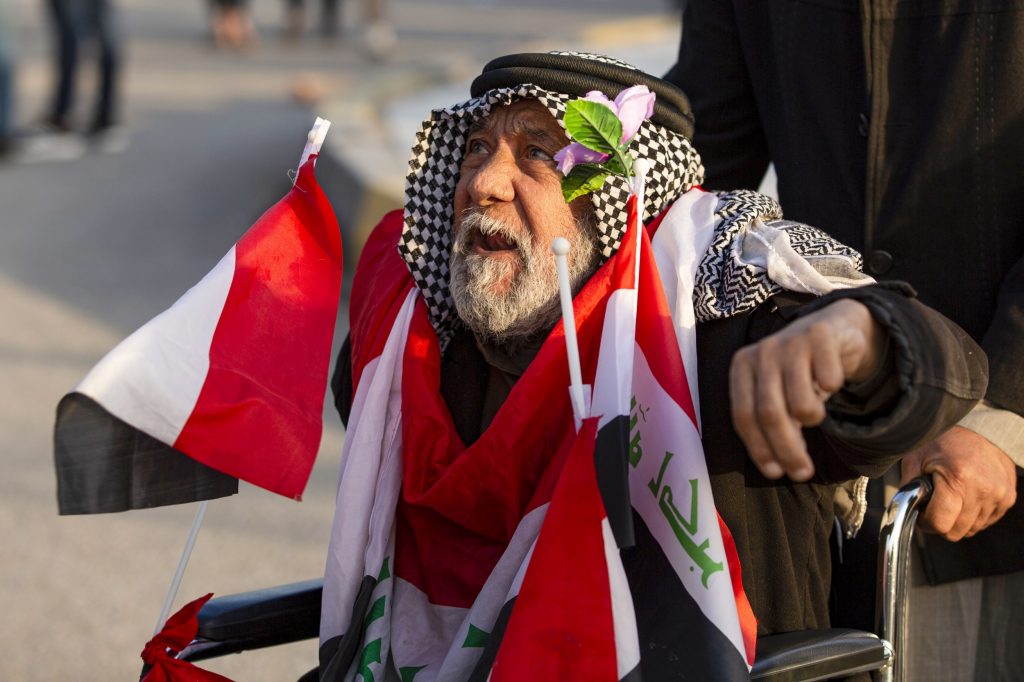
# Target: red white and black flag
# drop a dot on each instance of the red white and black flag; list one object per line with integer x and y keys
{"x": 500, "y": 559}
{"x": 227, "y": 383}
{"x": 699, "y": 610}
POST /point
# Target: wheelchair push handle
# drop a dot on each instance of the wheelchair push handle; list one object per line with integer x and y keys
{"x": 911, "y": 499}
{"x": 894, "y": 540}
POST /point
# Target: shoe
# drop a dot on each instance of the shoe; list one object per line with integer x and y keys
{"x": 44, "y": 147}
{"x": 112, "y": 139}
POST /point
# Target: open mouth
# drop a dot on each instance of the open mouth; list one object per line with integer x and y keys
{"x": 486, "y": 243}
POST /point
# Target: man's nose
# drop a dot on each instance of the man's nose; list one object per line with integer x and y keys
{"x": 493, "y": 181}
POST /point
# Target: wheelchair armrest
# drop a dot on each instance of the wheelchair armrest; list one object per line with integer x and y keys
{"x": 253, "y": 620}
{"x": 818, "y": 655}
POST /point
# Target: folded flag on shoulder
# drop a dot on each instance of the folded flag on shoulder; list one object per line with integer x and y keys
{"x": 227, "y": 383}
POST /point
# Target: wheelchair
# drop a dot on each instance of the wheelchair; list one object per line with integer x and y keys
{"x": 290, "y": 613}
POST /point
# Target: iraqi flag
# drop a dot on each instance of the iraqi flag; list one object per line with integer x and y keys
{"x": 227, "y": 383}
{"x": 466, "y": 562}
{"x": 645, "y": 395}
{"x": 687, "y": 595}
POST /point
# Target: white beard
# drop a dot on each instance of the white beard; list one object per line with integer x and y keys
{"x": 530, "y": 304}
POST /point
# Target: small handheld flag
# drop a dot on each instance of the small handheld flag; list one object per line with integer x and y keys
{"x": 227, "y": 383}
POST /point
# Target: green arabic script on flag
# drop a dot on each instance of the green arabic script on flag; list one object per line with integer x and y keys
{"x": 684, "y": 528}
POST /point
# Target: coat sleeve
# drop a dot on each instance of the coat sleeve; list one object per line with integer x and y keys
{"x": 933, "y": 375}
{"x": 711, "y": 69}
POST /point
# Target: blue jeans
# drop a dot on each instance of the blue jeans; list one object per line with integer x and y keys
{"x": 75, "y": 21}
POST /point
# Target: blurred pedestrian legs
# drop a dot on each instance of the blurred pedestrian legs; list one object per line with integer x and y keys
{"x": 295, "y": 19}
{"x": 6, "y": 82}
{"x": 78, "y": 25}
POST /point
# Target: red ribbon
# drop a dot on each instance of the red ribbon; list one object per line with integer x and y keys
{"x": 177, "y": 633}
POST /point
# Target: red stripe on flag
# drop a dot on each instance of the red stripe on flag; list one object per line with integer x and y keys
{"x": 561, "y": 626}
{"x": 258, "y": 415}
{"x": 378, "y": 293}
{"x": 745, "y": 614}
{"x": 653, "y": 326}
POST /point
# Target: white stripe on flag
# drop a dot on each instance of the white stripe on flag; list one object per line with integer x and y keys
{"x": 369, "y": 483}
{"x": 152, "y": 379}
{"x": 627, "y": 641}
{"x": 614, "y": 374}
{"x": 679, "y": 244}
{"x": 671, "y": 491}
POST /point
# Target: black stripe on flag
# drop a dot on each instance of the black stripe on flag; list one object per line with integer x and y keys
{"x": 106, "y": 465}
{"x": 611, "y": 460}
{"x": 338, "y": 653}
{"x": 677, "y": 641}
{"x": 483, "y": 667}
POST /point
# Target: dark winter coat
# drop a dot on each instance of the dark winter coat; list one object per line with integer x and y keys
{"x": 898, "y": 127}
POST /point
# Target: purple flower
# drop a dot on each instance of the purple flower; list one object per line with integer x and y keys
{"x": 574, "y": 154}
{"x": 633, "y": 106}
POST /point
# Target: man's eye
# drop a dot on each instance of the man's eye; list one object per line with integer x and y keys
{"x": 476, "y": 147}
{"x": 539, "y": 154}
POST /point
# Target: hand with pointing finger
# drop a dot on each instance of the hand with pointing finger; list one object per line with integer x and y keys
{"x": 780, "y": 384}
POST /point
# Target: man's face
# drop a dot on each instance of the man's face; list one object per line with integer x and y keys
{"x": 508, "y": 208}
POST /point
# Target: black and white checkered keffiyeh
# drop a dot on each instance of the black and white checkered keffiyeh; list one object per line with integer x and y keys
{"x": 434, "y": 171}
{"x": 726, "y": 285}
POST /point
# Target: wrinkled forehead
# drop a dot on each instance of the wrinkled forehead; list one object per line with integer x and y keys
{"x": 523, "y": 117}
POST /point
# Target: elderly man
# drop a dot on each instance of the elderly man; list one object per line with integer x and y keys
{"x": 458, "y": 433}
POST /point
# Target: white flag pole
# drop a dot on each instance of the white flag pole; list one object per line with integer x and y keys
{"x": 172, "y": 591}
{"x": 641, "y": 167}
{"x": 314, "y": 140}
{"x": 560, "y": 247}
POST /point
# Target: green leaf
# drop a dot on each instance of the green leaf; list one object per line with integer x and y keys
{"x": 593, "y": 125}
{"x": 583, "y": 180}
{"x": 614, "y": 166}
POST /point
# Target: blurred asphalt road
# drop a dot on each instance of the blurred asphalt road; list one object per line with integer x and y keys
{"x": 92, "y": 248}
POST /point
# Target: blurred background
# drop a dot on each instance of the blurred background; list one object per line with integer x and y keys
{"x": 109, "y": 213}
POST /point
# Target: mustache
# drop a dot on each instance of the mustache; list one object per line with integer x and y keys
{"x": 475, "y": 222}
